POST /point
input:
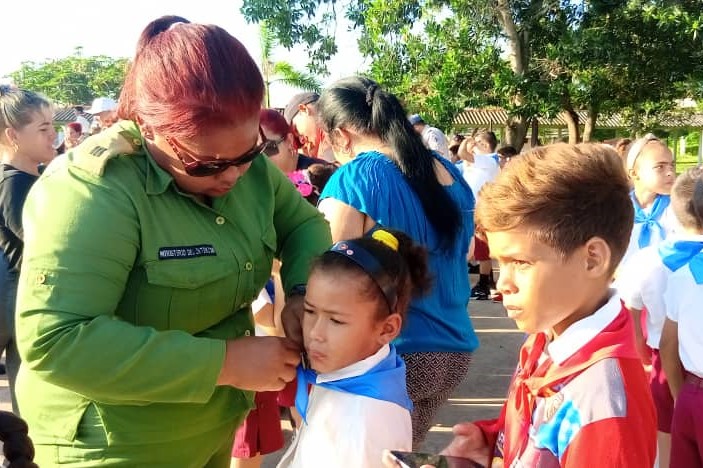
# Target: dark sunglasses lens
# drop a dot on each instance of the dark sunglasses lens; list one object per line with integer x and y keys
{"x": 204, "y": 170}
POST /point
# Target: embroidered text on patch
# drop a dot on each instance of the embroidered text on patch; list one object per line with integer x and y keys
{"x": 190, "y": 251}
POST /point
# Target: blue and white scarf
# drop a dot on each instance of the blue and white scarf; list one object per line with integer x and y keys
{"x": 651, "y": 219}
{"x": 676, "y": 254}
{"x": 385, "y": 381}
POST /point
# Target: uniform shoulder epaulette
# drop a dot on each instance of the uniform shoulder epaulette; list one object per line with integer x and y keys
{"x": 96, "y": 151}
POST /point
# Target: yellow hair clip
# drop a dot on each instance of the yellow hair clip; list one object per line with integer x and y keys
{"x": 386, "y": 238}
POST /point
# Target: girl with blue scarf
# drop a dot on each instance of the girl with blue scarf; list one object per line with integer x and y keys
{"x": 681, "y": 344}
{"x": 650, "y": 165}
{"x": 357, "y": 296}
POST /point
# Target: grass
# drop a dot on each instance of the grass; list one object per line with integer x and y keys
{"x": 686, "y": 162}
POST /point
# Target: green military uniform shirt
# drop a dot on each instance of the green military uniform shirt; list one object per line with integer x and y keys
{"x": 129, "y": 289}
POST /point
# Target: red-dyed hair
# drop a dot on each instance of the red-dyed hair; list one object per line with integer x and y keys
{"x": 76, "y": 127}
{"x": 187, "y": 77}
{"x": 274, "y": 122}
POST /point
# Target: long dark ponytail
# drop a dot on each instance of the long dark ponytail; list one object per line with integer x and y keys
{"x": 359, "y": 103}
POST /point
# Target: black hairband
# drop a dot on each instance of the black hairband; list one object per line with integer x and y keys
{"x": 367, "y": 262}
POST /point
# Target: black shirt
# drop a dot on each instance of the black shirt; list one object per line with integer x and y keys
{"x": 14, "y": 187}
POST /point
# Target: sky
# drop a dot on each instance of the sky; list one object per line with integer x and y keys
{"x": 37, "y": 30}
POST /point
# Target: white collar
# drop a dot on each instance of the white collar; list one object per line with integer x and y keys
{"x": 687, "y": 237}
{"x": 580, "y": 333}
{"x": 358, "y": 368}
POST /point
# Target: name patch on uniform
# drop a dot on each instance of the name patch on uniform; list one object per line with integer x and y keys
{"x": 189, "y": 251}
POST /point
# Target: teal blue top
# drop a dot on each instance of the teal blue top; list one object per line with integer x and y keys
{"x": 374, "y": 185}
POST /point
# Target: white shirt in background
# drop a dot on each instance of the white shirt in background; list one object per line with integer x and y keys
{"x": 345, "y": 430}
{"x": 436, "y": 140}
{"x": 684, "y": 305}
{"x": 484, "y": 169}
{"x": 641, "y": 284}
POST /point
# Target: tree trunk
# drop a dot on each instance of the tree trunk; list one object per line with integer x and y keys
{"x": 518, "y": 52}
{"x": 590, "y": 124}
{"x": 534, "y": 138}
{"x": 517, "y": 45}
{"x": 572, "y": 123}
{"x": 515, "y": 132}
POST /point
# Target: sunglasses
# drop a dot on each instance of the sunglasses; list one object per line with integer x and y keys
{"x": 204, "y": 166}
{"x": 271, "y": 146}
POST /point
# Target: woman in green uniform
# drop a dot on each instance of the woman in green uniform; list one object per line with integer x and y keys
{"x": 144, "y": 247}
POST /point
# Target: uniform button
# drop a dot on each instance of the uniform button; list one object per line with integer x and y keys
{"x": 220, "y": 220}
{"x": 41, "y": 278}
{"x": 247, "y": 333}
{"x": 248, "y": 266}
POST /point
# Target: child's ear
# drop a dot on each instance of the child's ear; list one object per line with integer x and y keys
{"x": 390, "y": 328}
{"x": 598, "y": 257}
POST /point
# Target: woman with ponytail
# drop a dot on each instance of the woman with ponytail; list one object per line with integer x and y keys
{"x": 391, "y": 180}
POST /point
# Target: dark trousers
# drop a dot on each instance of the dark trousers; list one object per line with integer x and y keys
{"x": 687, "y": 425}
{"x": 8, "y": 341}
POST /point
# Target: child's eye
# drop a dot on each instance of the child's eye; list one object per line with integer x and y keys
{"x": 308, "y": 311}
{"x": 337, "y": 322}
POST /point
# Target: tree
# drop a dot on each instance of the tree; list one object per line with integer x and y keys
{"x": 281, "y": 71}
{"x": 75, "y": 79}
{"x": 531, "y": 57}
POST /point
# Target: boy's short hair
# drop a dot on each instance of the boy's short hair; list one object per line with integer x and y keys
{"x": 687, "y": 198}
{"x": 563, "y": 194}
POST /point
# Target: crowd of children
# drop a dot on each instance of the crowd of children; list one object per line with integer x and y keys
{"x": 601, "y": 265}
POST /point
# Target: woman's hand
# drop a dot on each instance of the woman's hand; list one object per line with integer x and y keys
{"x": 259, "y": 363}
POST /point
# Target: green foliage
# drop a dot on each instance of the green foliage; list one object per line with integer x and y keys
{"x": 75, "y": 79}
{"x": 308, "y": 22}
{"x": 531, "y": 57}
{"x": 281, "y": 71}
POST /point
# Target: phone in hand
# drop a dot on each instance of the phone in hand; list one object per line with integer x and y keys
{"x": 416, "y": 460}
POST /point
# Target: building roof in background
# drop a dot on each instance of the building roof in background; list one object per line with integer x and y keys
{"x": 494, "y": 117}
{"x": 69, "y": 114}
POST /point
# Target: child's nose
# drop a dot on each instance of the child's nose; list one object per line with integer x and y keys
{"x": 317, "y": 331}
{"x": 505, "y": 283}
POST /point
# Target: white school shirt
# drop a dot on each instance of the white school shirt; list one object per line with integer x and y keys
{"x": 642, "y": 283}
{"x": 684, "y": 305}
{"x": 345, "y": 430}
{"x": 668, "y": 222}
{"x": 262, "y": 300}
{"x": 435, "y": 140}
{"x": 583, "y": 331}
{"x": 484, "y": 169}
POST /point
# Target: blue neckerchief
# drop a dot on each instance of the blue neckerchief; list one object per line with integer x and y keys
{"x": 385, "y": 381}
{"x": 661, "y": 203}
{"x": 676, "y": 254}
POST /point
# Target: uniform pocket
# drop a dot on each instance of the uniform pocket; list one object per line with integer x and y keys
{"x": 90, "y": 442}
{"x": 190, "y": 295}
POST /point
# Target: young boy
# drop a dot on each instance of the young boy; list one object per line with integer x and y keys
{"x": 558, "y": 221}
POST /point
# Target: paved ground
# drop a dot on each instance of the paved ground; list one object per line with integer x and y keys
{"x": 479, "y": 396}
